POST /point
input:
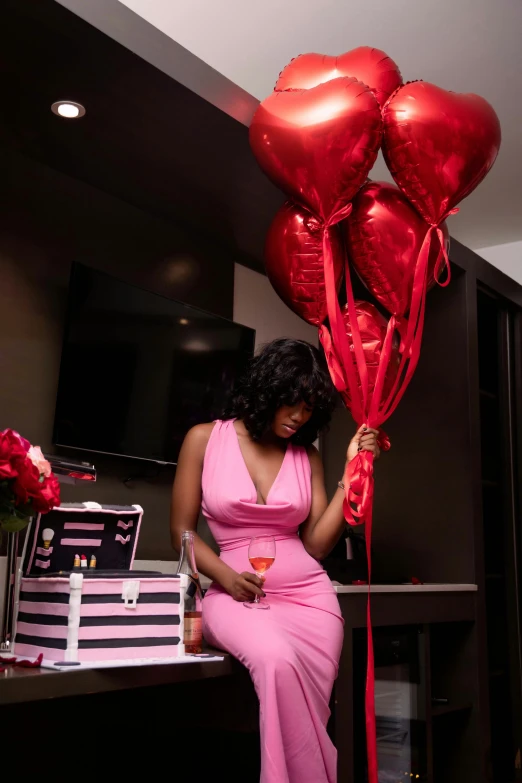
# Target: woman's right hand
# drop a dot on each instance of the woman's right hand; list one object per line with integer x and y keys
{"x": 245, "y": 586}
{"x": 365, "y": 439}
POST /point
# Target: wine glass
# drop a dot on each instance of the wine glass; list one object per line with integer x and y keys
{"x": 261, "y": 553}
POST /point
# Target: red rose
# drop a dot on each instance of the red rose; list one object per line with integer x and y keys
{"x": 12, "y": 452}
{"x": 17, "y": 461}
{"x": 27, "y": 483}
{"x": 49, "y": 495}
{"x": 28, "y": 487}
{"x": 23, "y": 441}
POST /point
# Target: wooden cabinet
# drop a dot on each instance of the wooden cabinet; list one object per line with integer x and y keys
{"x": 497, "y": 363}
{"x": 427, "y": 685}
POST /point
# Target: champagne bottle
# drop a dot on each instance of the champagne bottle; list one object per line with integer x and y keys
{"x": 193, "y": 631}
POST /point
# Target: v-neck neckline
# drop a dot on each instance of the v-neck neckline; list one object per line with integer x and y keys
{"x": 289, "y": 446}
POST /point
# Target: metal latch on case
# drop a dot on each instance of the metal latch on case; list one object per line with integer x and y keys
{"x": 130, "y": 593}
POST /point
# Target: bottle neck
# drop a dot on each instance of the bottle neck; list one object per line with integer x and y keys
{"x": 187, "y": 565}
{"x": 187, "y": 562}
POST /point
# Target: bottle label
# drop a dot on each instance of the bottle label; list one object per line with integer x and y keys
{"x": 192, "y": 587}
{"x": 193, "y": 631}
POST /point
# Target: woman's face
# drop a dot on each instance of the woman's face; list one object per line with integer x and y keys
{"x": 290, "y": 418}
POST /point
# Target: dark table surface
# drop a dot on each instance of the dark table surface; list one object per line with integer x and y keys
{"x": 18, "y": 685}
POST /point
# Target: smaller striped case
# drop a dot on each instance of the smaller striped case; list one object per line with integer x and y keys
{"x": 95, "y": 614}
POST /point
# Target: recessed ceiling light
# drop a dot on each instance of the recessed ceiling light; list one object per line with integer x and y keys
{"x": 183, "y": 321}
{"x": 68, "y": 109}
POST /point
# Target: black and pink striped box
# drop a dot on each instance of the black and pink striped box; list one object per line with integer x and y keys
{"x": 95, "y": 614}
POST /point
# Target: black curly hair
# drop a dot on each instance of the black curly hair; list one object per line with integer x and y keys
{"x": 285, "y": 372}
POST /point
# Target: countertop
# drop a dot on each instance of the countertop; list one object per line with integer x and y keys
{"x": 407, "y": 588}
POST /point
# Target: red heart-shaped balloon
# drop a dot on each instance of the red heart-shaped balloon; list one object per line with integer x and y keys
{"x": 438, "y": 145}
{"x": 372, "y": 327}
{"x": 294, "y": 261}
{"x": 318, "y": 145}
{"x": 384, "y": 235}
{"x": 370, "y": 66}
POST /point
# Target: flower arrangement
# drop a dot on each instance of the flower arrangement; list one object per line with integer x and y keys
{"x": 27, "y": 483}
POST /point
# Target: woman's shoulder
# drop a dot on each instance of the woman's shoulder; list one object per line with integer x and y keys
{"x": 197, "y": 438}
{"x": 316, "y": 462}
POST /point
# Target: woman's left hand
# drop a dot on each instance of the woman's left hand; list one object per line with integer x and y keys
{"x": 365, "y": 439}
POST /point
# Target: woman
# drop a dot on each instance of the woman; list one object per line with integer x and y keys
{"x": 256, "y": 472}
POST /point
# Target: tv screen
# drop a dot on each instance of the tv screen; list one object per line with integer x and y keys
{"x": 139, "y": 370}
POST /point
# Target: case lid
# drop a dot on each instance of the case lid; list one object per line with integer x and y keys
{"x": 110, "y": 533}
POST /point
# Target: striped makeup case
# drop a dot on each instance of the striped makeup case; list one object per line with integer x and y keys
{"x": 99, "y": 614}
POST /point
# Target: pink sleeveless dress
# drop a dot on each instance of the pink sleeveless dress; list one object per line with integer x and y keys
{"x": 292, "y": 650}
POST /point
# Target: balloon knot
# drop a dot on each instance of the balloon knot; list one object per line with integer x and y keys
{"x": 342, "y": 214}
{"x": 445, "y": 215}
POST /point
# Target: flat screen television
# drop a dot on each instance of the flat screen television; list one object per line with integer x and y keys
{"x": 138, "y": 370}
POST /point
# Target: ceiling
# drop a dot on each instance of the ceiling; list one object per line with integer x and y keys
{"x": 146, "y": 138}
{"x": 465, "y": 46}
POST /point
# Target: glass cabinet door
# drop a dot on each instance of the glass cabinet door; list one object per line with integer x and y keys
{"x": 400, "y": 704}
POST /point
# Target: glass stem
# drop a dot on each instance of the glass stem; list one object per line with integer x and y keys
{"x": 257, "y": 599}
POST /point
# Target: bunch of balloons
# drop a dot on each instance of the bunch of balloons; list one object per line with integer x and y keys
{"x": 317, "y": 137}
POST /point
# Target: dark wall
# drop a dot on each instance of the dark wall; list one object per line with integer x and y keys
{"x": 423, "y": 512}
{"x": 48, "y": 220}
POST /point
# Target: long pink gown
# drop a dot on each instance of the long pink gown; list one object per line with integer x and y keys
{"x": 292, "y": 650}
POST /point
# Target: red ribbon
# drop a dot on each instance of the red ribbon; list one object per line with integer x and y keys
{"x": 349, "y": 373}
{"x": 23, "y": 663}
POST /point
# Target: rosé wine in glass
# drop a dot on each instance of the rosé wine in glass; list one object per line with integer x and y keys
{"x": 261, "y": 553}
